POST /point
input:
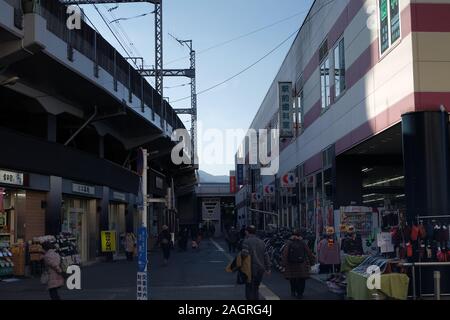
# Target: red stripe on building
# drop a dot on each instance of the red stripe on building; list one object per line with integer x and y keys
{"x": 431, "y": 101}
{"x": 313, "y": 164}
{"x": 379, "y": 123}
{"x": 312, "y": 114}
{"x": 430, "y": 17}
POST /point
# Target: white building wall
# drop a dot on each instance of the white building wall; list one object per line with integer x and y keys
{"x": 388, "y": 82}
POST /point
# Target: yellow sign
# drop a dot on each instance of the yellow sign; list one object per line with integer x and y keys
{"x": 108, "y": 241}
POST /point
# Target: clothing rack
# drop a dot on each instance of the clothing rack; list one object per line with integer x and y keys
{"x": 420, "y": 264}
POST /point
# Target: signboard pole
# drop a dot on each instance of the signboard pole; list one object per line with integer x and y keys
{"x": 142, "y": 273}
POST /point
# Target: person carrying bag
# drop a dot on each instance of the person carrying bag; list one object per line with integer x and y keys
{"x": 297, "y": 260}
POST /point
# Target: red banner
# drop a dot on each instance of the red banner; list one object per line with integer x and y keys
{"x": 232, "y": 184}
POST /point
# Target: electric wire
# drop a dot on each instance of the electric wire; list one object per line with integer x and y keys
{"x": 122, "y": 30}
{"x": 220, "y": 44}
{"x": 260, "y": 59}
{"x": 243, "y": 70}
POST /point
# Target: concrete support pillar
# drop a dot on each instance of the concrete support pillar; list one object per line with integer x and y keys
{"x": 101, "y": 146}
{"x": 426, "y": 163}
{"x": 51, "y": 128}
{"x": 53, "y": 209}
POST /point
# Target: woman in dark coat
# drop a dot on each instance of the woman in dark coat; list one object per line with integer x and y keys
{"x": 297, "y": 259}
{"x": 165, "y": 241}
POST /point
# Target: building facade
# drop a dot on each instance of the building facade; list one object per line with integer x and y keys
{"x": 74, "y": 114}
{"x": 371, "y": 95}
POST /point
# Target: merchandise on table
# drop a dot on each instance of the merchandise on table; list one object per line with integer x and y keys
{"x": 66, "y": 246}
{"x": 6, "y": 262}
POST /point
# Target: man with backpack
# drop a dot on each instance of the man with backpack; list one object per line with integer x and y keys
{"x": 297, "y": 261}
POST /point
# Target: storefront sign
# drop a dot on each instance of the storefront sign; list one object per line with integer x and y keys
{"x": 10, "y": 177}
{"x": 142, "y": 249}
{"x": 286, "y": 121}
{"x": 288, "y": 180}
{"x": 256, "y": 197}
{"x": 108, "y": 241}
{"x": 119, "y": 196}
{"x": 269, "y": 190}
{"x": 81, "y": 188}
{"x": 141, "y": 288}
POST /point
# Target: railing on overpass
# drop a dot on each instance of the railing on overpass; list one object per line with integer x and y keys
{"x": 91, "y": 44}
{"x": 18, "y": 17}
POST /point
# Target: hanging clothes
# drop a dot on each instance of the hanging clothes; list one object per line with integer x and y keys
{"x": 329, "y": 252}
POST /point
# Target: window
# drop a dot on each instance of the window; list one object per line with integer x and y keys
{"x": 339, "y": 68}
{"x": 389, "y": 11}
{"x": 325, "y": 83}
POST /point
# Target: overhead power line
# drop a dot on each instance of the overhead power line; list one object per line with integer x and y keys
{"x": 220, "y": 44}
{"x": 114, "y": 34}
{"x": 260, "y": 59}
{"x": 133, "y": 17}
{"x": 243, "y": 70}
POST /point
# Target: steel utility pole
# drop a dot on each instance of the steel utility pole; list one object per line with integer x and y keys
{"x": 142, "y": 274}
{"x": 193, "y": 110}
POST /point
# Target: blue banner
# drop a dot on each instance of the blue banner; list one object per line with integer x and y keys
{"x": 240, "y": 175}
{"x": 142, "y": 249}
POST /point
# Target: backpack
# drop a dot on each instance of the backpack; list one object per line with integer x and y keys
{"x": 296, "y": 253}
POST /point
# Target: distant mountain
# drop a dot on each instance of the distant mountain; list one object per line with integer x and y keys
{"x": 209, "y": 178}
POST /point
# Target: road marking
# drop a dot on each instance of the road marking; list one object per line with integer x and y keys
{"x": 196, "y": 287}
{"x": 219, "y": 248}
{"x": 265, "y": 292}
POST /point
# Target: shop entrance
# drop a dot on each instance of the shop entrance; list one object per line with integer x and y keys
{"x": 75, "y": 222}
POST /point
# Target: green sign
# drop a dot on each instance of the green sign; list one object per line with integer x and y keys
{"x": 383, "y": 9}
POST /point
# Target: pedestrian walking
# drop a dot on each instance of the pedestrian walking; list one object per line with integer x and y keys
{"x": 36, "y": 258}
{"x": 297, "y": 259}
{"x": 199, "y": 236}
{"x": 182, "y": 239}
{"x": 130, "y": 245}
{"x": 52, "y": 275}
{"x": 234, "y": 239}
{"x": 165, "y": 240}
{"x": 260, "y": 262}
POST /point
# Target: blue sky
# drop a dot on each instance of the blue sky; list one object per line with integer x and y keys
{"x": 207, "y": 23}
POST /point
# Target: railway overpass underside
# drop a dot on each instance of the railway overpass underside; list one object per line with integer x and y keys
{"x": 73, "y": 115}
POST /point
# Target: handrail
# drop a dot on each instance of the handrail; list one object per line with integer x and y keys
{"x": 424, "y": 264}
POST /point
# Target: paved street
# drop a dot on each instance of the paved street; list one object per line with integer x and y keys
{"x": 192, "y": 275}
